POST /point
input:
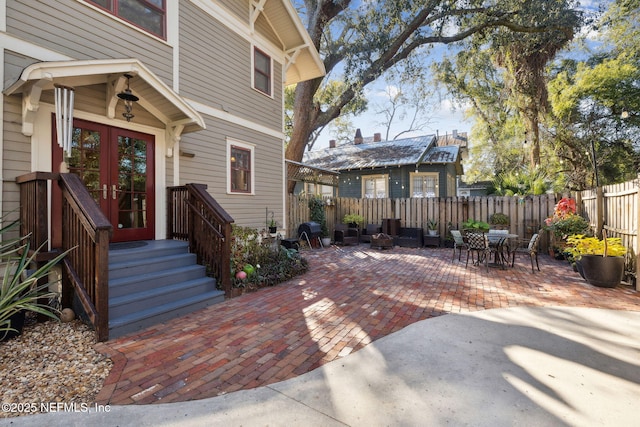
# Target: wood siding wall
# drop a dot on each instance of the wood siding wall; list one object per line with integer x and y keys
{"x": 78, "y": 31}
{"x": 215, "y": 69}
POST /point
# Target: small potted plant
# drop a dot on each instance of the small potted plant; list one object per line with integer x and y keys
{"x": 599, "y": 261}
{"x": 273, "y": 225}
{"x": 354, "y": 220}
{"x": 432, "y": 227}
{"x": 473, "y": 225}
{"x": 499, "y": 221}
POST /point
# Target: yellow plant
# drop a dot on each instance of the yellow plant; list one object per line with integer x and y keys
{"x": 579, "y": 244}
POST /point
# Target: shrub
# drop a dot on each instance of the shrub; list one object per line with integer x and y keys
{"x": 264, "y": 263}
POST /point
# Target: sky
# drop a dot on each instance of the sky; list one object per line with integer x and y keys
{"x": 444, "y": 118}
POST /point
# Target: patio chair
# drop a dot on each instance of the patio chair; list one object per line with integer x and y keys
{"x": 345, "y": 235}
{"x": 478, "y": 243}
{"x": 458, "y": 243}
{"x": 531, "y": 249}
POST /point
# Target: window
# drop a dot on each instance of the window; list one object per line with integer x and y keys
{"x": 374, "y": 186}
{"x": 261, "y": 72}
{"x": 424, "y": 185}
{"x": 240, "y": 167}
{"x": 146, "y": 14}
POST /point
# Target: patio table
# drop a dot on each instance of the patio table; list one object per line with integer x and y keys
{"x": 498, "y": 241}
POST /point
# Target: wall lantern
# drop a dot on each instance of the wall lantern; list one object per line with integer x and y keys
{"x": 129, "y": 98}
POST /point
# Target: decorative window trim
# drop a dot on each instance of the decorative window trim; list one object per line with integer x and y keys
{"x": 385, "y": 179}
{"x": 255, "y": 50}
{"x": 112, "y": 13}
{"x": 243, "y": 146}
{"x": 435, "y": 175}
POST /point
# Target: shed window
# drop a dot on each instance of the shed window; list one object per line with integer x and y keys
{"x": 424, "y": 185}
{"x": 147, "y": 14}
{"x": 374, "y": 187}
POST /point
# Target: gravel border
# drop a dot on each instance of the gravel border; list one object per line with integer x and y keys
{"x": 50, "y": 362}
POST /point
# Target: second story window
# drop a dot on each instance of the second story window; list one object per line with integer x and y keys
{"x": 146, "y": 14}
{"x": 261, "y": 72}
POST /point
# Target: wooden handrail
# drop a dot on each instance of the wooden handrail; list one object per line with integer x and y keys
{"x": 195, "y": 216}
{"x": 86, "y": 268}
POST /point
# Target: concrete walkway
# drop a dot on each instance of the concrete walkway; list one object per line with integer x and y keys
{"x": 520, "y": 366}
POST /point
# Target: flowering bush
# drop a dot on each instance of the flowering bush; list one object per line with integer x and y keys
{"x": 579, "y": 244}
{"x": 565, "y": 222}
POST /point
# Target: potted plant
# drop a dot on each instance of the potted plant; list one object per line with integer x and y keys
{"x": 273, "y": 225}
{"x": 354, "y": 220}
{"x": 499, "y": 221}
{"x": 599, "y": 261}
{"x": 432, "y": 227}
{"x": 22, "y": 290}
{"x": 473, "y": 225}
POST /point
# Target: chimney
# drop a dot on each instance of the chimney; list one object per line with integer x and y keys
{"x": 358, "y": 139}
{"x": 332, "y": 143}
{"x": 454, "y": 133}
{"x": 377, "y": 137}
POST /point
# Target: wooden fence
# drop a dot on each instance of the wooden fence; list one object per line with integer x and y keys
{"x": 527, "y": 214}
{"x": 616, "y": 209}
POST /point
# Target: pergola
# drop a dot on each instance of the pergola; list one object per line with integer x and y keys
{"x": 300, "y": 172}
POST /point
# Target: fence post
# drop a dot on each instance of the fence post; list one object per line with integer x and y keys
{"x": 638, "y": 235}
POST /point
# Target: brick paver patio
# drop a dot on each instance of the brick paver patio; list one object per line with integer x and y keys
{"x": 350, "y": 297}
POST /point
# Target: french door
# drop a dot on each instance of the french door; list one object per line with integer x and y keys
{"x": 117, "y": 167}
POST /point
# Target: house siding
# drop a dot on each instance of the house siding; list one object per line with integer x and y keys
{"x": 215, "y": 69}
{"x": 16, "y": 156}
{"x": 209, "y": 166}
{"x": 81, "y": 32}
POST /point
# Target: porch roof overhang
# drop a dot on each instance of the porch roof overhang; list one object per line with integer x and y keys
{"x": 155, "y": 96}
{"x": 304, "y": 173}
{"x": 303, "y": 61}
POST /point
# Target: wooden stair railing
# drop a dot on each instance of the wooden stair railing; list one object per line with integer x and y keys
{"x": 194, "y": 215}
{"x": 84, "y": 228}
{"x": 87, "y": 229}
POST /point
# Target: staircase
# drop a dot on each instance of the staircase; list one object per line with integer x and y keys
{"x": 153, "y": 281}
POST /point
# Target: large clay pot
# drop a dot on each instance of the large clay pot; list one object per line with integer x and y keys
{"x": 606, "y": 272}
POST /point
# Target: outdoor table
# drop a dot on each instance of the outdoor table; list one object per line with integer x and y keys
{"x": 498, "y": 241}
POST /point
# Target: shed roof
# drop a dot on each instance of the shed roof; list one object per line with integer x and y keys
{"x": 407, "y": 151}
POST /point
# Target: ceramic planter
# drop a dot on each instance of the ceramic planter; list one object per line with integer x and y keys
{"x": 605, "y": 272}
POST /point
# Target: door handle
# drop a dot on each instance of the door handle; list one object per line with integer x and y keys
{"x": 105, "y": 191}
{"x": 113, "y": 192}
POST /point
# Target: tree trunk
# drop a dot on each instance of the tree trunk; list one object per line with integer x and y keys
{"x": 303, "y": 124}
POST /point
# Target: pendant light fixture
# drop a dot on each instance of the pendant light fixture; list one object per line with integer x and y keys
{"x": 129, "y": 98}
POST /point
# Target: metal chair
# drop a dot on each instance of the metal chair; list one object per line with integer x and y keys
{"x": 458, "y": 243}
{"x": 531, "y": 249}
{"x": 478, "y": 243}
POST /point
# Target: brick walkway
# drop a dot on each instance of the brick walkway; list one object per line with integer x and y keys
{"x": 350, "y": 297}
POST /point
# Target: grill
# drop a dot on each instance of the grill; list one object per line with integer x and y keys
{"x": 312, "y": 229}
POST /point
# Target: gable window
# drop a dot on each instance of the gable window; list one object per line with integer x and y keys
{"x": 261, "y": 72}
{"x": 374, "y": 186}
{"x": 147, "y": 14}
{"x": 240, "y": 168}
{"x": 424, "y": 185}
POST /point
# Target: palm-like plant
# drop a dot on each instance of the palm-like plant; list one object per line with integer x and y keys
{"x": 21, "y": 289}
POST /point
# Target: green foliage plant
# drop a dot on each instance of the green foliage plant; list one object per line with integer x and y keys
{"x": 499, "y": 218}
{"x": 432, "y": 224}
{"x": 473, "y": 225}
{"x": 20, "y": 289}
{"x": 317, "y": 214}
{"x": 580, "y": 244}
{"x": 264, "y": 263}
{"x": 353, "y": 219}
